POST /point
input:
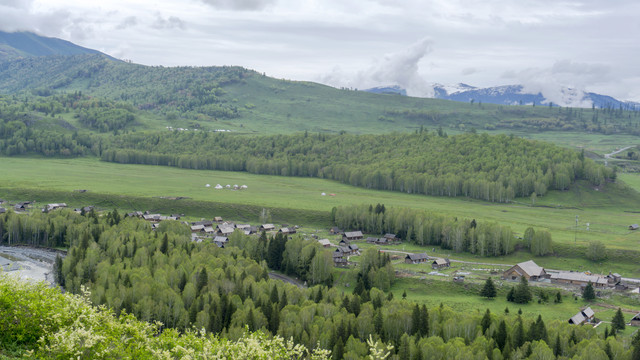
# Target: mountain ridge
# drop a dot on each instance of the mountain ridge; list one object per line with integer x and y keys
{"x": 516, "y": 95}
{"x": 17, "y": 45}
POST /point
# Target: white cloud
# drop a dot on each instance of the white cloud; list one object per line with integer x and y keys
{"x": 399, "y": 68}
{"x": 567, "y": 43}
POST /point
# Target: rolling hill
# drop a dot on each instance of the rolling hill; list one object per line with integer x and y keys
{"x": 18, "y": 45}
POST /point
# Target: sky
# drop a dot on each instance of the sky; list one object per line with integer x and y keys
{"x": 586, "y": 45}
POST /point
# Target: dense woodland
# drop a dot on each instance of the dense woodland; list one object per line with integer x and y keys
{"x": 493, "y": 168}
{"x": 427, "y": 228}
{"x": 162, "y": 275}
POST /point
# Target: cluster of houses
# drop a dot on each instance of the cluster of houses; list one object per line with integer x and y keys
{"x": 532, "y": 272}
{"x": 387, "y": 239}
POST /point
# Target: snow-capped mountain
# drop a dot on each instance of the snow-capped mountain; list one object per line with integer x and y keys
{"x": 517, "y": 95}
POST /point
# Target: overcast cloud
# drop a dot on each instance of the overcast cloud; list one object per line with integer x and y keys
{"x": 547, "y": 46}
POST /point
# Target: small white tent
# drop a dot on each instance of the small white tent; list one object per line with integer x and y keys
{"x": 208, "y": 185}
{"x": 218, "y": 187}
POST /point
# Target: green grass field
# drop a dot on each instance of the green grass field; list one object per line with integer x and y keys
{"x": 608, "y": 211}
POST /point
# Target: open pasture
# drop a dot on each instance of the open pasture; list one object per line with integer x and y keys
{"x": 608, "y": 211}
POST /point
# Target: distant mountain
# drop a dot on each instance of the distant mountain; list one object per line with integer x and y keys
{"x": 514, "y": 95}
{"x": 390, "y": 90}
{"x": 18, "y": 45}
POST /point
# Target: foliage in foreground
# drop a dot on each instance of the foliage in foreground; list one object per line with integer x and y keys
{"x": 44, "y": 323}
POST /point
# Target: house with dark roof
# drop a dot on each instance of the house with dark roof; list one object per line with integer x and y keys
{"x": 267, "y": 227}
{"x": 440, "y": 263}
{"x": 416, "y": 258}
{"x": 579, "y": 278}
{"x": 583, "y": 316}
{"x": 287, "y": 230}
{"x": 324, "y": 242}
{"x": 335, "y": 231}
{"x": 353, "y": 235}
{"x": 529, "y": 269}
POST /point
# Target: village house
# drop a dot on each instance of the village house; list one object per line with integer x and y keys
{"x": 635, "y": 320}
{"x": 221, "y": 240}
{"x": 583, "y": 316}
{"x": 54, "y": 206}
{"x": 197, "y": 228}
{"x": 416, "y": 258}
{"x": 440, "y": 263}
{"x": 287, "y": 230}
{"x": 2, "y": 210}
{"x": 222, "y": 230}
{"x": 352, "y": 235}
{"x": 528, "y": 269}
{"x": 267, "y": 227}
{"x": 243, "y": 227}
{"x": 85, "y": 209}
{"x": 340, "y": 256}
{"x": 344, "y": 243}
{"x": 391, "y": 238}
{"x": 325, "y": 243}
{"x": 355, "y": 250}
{"x": 579, "y": 278}
{"x": 135, "y": 214}
{"x": 335, "y": 231}
{"x": 218, "y": 219}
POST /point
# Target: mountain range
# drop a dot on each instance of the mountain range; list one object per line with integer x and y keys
{"x": 515, "y": 95}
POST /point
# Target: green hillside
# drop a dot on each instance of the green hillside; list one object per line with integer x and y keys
{"x": 241, "y": 100}
{"x": 18, "y": 45}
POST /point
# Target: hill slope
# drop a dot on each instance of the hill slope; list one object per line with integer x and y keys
{"x": 18, "y": 45}
{"x": 241, "y": 100}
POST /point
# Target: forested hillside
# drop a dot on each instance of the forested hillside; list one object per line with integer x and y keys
{"x": 162, "y": 275}
{"x": 237, "y": 99}
{"x": 492, "y": 168}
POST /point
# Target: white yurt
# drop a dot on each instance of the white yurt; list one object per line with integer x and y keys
{"x": 218, "y": 187}
{"x": 208, "y": 185}
{"x": 243, "y": 187}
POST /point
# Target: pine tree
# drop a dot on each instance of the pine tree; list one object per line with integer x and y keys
{"x": 416, "y": 320}
{"x": 557, "y": 348}
{"x": 588, "y": 293}
{"x": 607, "y": 350}
{"x": 338, "y": 350}
{"x": 501, "y": 335}
{"x": 424, "y": 324}
{"x": 511, "y": 295}
{"x": 617, "y": 323}
{"x": 165, "y": 244}
{"x": 522, "y": 294}
{"x": 489, "y": 289}
{"x": 404, "y": 352}
{"x": 486, "y": 321}
{"x": 518, "y": 337}
{"x": 203, "y": 280}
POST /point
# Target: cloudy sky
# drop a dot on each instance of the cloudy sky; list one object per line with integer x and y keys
{"x": 588, "y": 45}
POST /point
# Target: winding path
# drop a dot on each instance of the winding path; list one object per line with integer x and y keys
{"x": 607, "y": 156}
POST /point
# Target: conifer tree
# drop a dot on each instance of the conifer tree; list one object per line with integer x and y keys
{"x": 522, "y": 294}
{"x": 486, "y": 321}
{"x": 617, "y": 323}
{"x": 488, "y": 290}
{"x": 501, "y": 335}
{"x": 588, "y": 293}
{"x": 424, "y": 328}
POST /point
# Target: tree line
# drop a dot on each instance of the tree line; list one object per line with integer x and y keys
{"x": 492, "y": 168}
{"x": 427, "y": 228}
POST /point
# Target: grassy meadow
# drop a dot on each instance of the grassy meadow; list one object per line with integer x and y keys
{"x": 608, "y": 210}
